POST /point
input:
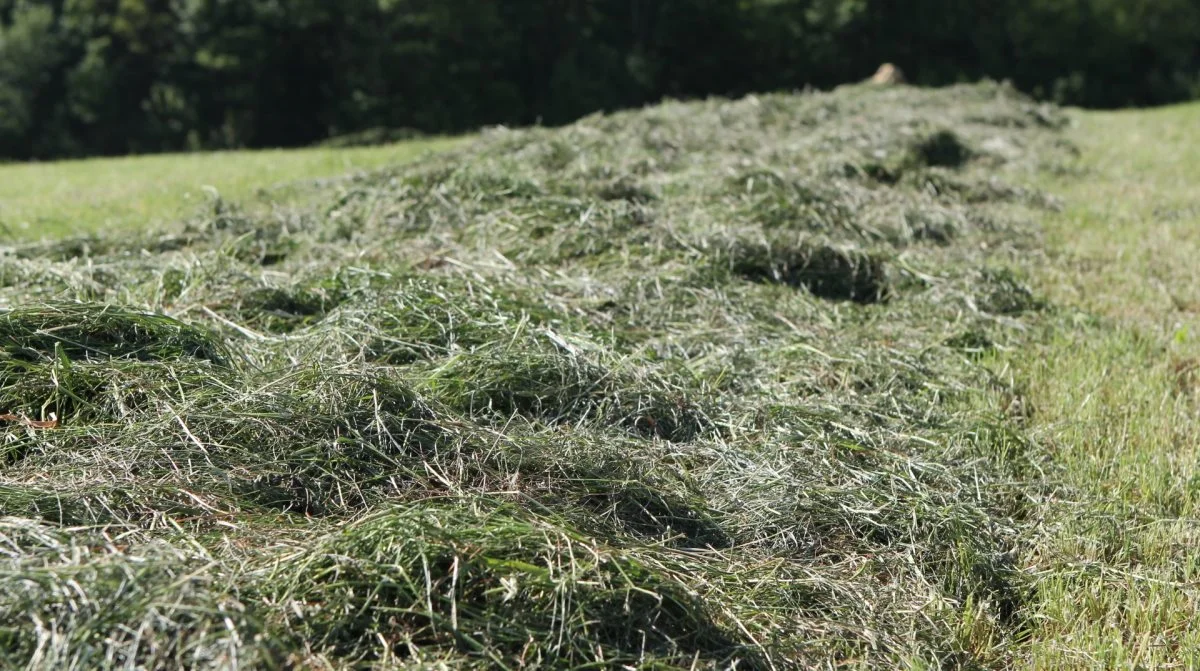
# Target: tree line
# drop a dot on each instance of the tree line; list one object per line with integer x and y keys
{"x": 101, "y": 77}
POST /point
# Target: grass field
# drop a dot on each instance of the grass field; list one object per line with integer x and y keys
{"x": 55, "y": 199}
{"x": 1116, "y": 401}
{"x": 876, "y": 378}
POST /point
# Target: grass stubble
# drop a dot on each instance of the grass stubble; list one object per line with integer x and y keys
{"x": 1111, "y": 395}
{"x": 704, "y": 385}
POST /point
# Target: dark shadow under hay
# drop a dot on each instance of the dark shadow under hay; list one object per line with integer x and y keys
{"x": 942, "y": 149}
{"x": 826, "y": 271}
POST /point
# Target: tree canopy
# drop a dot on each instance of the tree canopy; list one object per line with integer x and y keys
{"x": 86, "y": 77}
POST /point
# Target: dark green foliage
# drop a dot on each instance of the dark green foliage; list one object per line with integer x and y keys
{"x": 31, "y": 55}
{"x": 86, "y": 77}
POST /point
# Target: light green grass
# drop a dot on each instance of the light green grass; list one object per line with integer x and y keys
{"x": 78, "y": 197}
{"x": 1116, "y": 403}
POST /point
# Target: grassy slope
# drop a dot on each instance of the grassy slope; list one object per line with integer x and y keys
{"x": 611, "y": 400}
{"x": 54, "y": 199}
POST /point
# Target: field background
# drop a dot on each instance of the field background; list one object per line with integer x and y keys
{"x": 101, "y": 77}
{"x": 39, "y": 200}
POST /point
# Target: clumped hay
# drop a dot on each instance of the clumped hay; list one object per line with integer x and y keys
{"x": 492, "y": 585}
{"x": 403, "y": 318}
{"x": 1001, "y": 291}
{"x": 557, "y": 382}
{"x": 94, "y": 332}
{"x": 77, "y": 598}
{"x": 677, "y": 388}
{"x": 826, "y": 270}
{"x": 942, "y": 148}
{"x": 306, "y": 441}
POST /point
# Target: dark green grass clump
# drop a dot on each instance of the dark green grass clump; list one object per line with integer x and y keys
{"x": 681, "y": 387}
{"x": 302, "y": 441}
{"x": 943, "y": 148}
{"x": 86, "y": 599}
{"x": 435, "y": 577}
{"x": 547, "y": 382}
{"x": 100, "y": 332}
{"x": 825, "y": 270}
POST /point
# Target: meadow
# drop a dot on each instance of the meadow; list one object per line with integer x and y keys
{"x": 70, "y": 197}
{"x": 882, "y": 377}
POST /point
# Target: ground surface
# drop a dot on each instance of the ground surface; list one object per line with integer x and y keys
{"x": 68, "y": 197}
{"x": 1116, "y": 400}
{"x": 882, "y": 377}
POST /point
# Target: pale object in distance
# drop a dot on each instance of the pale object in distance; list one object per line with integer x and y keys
{"x": 888, "y": 75}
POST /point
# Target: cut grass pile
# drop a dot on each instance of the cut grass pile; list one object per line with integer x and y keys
{"x": 685, "y": 387}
